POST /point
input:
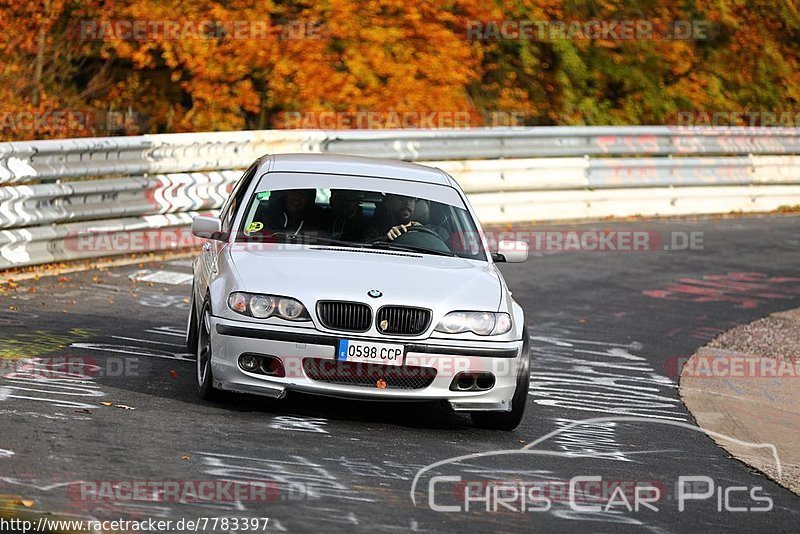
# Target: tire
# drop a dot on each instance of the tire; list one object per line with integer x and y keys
{"x": 205, "y": 377}
{"x": 191, "y": 326}
{"x": 510, "y": 420}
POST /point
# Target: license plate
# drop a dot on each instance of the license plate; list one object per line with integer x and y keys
{"x": 369, "y": 352}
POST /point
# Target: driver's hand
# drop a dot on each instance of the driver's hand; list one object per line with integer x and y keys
{"x": 400, "y": 229}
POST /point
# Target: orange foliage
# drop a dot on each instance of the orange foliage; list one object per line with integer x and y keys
{"x": 66, "y": 70}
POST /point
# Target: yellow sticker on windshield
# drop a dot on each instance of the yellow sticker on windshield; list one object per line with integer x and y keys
{"x": 255, "y": 226}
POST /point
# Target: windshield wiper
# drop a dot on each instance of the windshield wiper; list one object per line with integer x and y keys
{"x": 330, "y": 241}
{"x": 410, "y": 248}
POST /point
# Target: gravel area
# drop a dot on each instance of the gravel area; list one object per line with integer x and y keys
{"x": 775, "y": 336}
{"x": 753, "y": 409}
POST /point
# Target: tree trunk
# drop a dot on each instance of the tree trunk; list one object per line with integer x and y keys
{"x": 39, "y": 65}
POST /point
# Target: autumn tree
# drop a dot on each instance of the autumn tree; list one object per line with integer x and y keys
{"x": 301, "y": 58}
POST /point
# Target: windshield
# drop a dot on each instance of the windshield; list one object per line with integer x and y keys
{"x": 361, "y": 218}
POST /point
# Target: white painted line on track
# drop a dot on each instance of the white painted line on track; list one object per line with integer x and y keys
{"x": 161, "y": 277}
{"x": 179, "y": 345}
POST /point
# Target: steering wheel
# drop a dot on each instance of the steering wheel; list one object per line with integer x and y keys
{"x": 423, "y": 237}
{"x": 423, "y": 230}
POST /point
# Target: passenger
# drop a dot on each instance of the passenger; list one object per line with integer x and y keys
{"x": 393, "y": 217}
{"x": 294, "y": 211}
{"x": 345, "y": 219}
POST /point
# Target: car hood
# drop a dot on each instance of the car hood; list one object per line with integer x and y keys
{"x": 325, "y": 273}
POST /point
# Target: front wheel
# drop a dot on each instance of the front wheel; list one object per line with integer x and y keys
{"x": 510, "y": 420}
{"x": 205, "y": 378}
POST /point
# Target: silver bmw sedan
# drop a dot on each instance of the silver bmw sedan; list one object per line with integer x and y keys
{"x": 361, "y": 278}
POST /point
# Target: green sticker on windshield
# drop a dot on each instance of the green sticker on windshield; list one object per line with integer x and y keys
{"x": 264, "y": 195}
{"x": 255, "y": 226}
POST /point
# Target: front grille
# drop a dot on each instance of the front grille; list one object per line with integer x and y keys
{"x": 368, "y": 374}
{"x": 346, "y": 316}
{"x": 402, "y": 320}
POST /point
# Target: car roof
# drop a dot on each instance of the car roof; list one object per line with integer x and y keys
{"x": 354, "y": 166}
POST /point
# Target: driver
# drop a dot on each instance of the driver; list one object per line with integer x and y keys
{"x": 394, "y": 217}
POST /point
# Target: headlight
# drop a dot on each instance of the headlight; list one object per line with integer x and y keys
{"x": 481, "y": 323}
{"x": 265, "y": 306}
{"x": 262, "y": 306}
{"x": 290, "y": 309}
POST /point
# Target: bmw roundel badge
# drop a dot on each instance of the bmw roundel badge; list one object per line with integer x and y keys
{"x": 374, "y": 293}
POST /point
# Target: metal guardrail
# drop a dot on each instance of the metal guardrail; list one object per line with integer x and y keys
{"x": 58, "y": 197}
{"x": 40, "y": 204}
{"x": 24, "y": 162}
{"x": 563, "y": 141}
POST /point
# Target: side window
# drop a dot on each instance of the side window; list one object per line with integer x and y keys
{"x": 231, "y": 206}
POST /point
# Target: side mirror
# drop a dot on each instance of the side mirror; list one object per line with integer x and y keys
{"x": 207, "y": 227}
{"x": 511, "y": 251}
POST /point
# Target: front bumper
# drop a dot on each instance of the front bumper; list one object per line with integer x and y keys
{"x": 230, "y": 339}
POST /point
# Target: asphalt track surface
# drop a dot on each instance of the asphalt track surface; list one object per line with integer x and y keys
{"x": 606, "y": 327}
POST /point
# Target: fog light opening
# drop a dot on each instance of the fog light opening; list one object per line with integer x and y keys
{"x": 249, "y": 362}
